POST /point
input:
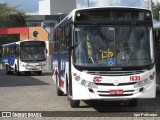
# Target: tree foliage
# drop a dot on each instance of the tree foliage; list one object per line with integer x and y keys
{"x": 156, "y": 10}
{"x": 10, "y": 17}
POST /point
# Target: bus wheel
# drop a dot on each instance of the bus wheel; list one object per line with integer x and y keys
{"x": 39, "y": 72}
{"x": 59, "y": 92}
{"x": 7, "y": 72}
{"x": 74, "y": 103}
{"x": 133, "y": 103}
{"x": 16, "y": 71}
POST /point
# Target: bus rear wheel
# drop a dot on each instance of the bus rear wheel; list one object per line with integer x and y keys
{"x": 7, "y": 71}
{"x": 59, "y": 92}
{"x": 74, "y": 103}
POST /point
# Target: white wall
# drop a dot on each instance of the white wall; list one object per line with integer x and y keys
{"x": 44, "y": 7}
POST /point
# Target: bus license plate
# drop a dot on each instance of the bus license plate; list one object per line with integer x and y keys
{"x": 116, "y": 92}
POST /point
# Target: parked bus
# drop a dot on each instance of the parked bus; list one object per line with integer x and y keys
{"x": 24, "y": 56}
{"x": 105, "y": 54}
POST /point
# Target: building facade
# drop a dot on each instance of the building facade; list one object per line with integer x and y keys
{"x": 54, "y": 7}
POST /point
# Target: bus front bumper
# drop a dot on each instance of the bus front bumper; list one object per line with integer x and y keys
{"x": 80, "y": 92}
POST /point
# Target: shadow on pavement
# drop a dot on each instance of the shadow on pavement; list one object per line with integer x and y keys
{"x": 113, "y": 108}
{"x": 17, "y": 81}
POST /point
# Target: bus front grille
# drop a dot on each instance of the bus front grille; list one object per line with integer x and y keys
{"x": 115, "y": 73}
{"x": 120, "y": 84}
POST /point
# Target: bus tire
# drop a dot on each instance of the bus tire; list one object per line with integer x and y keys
{"x": 16, "y": 71}
{"x": 59, "y": 92}
{"x": 28, "y": 73}
{"x": 133, "y": 103}
{"x": 74, "y": 103}
{"x": 39, "y": 72}
{"x": 7, "y": 71}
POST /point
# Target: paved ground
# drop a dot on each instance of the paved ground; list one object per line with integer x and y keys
{"x": 37, "y": 93}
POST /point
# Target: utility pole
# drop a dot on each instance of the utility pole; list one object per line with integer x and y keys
{"x": 150, "y": 5}
{"x": 88, "y": 2}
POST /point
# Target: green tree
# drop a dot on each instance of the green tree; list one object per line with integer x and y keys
{"x": 10, "y": 17}
{"x": 156, "y": 10}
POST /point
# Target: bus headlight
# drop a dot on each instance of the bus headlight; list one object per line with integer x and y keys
{"x": 83, "y": 82}
{"x": 92, "y": 85}
{"x": 89, "y": 84}
{"x": 142, "y": 83}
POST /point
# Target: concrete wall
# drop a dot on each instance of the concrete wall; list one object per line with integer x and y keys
{"x": 62, "y": 6}
{"x": 53, "y": 7}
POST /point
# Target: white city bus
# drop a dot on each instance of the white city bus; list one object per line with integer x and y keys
{"x": 105, "y": 54}
{"x": 24, "y": 56}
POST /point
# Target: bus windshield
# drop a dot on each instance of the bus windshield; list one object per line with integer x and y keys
{"x": 100, "y": 45}
{"x": 32, "y": 51}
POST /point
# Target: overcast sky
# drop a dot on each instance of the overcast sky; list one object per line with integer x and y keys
{"x": 31, "y": 6}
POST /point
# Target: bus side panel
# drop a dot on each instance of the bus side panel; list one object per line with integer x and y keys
{"x": 61, "y": 74}
{"x": 12, "y": 62}
{"x": 4, "y": 61}
{"x": 55, "y": 67}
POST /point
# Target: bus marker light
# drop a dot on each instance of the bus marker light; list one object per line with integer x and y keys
{"x": 74, "y": 74}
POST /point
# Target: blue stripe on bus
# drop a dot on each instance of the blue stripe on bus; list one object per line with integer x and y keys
{"x": 63, "y": 58}
{"x": 5, "y": 60}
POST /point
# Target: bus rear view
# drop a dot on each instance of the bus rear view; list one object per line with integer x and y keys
{"x": 112, "y": 55}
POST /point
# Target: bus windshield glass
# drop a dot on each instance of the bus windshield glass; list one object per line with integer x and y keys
{"x": 34, "y": 51}
{"x": 100, "y": 45}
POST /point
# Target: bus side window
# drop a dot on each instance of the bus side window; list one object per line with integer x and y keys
{"x": 14, "y": 50}
{"x": 56, "y": 42}
{"x": 7, "y": 50}
{"x": 2, "y": 50}
{"x": 62, "y": 39}
{"x": 11, "y": 50}
{"x": 66, "y": 34}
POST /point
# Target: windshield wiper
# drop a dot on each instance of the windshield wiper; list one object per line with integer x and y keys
{"x": 129, "y": 34}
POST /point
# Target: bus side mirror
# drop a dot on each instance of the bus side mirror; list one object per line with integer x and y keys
{"x": 46, "y": 51}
